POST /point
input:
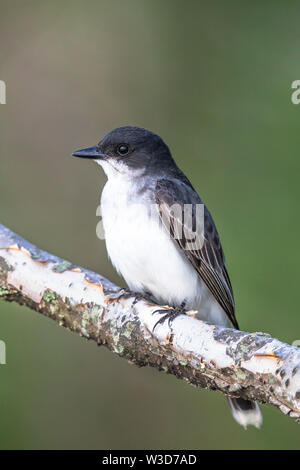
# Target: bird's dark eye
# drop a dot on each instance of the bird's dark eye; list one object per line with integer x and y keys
{"x": 123, "y": 149}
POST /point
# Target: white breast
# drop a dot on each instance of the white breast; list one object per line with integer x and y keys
{"x": 142, "y": 252}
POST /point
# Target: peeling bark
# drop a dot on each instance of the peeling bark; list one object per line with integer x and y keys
{"x": 254, "y": 366}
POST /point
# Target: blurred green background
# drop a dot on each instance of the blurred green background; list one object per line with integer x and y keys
{"x": 214, "y": 80}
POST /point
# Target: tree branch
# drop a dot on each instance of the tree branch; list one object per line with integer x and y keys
{"x": 254, "y": 366}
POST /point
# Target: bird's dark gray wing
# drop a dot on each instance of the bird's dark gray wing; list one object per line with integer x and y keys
{"x": 207, "y": 257}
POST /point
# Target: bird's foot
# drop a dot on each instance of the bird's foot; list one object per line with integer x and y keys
{"x": 138, "y": 296}
{"x": 169, "y": 314}
{"x": 126, "y": 294}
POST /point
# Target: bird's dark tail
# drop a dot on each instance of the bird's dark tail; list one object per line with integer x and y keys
{"x": 245, "y": 412}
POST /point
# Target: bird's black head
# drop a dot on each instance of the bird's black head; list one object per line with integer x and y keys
{"x": 130, "y": 149}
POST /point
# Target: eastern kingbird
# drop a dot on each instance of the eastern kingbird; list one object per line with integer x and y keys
{"x": 141, "y": 174}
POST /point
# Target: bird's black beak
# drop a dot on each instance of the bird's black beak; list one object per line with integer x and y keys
{"x": 90, "y": 152}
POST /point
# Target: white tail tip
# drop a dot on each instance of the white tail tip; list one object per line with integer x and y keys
{"x": 245, "y": 412}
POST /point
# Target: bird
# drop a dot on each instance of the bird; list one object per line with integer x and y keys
{"x": 179, "y": 263}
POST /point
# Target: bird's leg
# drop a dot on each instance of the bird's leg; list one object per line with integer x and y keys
{"x": 169, "y": 314}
